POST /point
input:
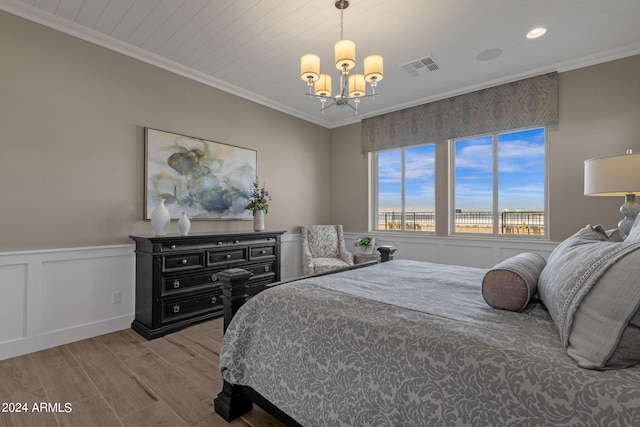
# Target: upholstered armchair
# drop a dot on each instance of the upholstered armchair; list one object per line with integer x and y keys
{"x": 323, "y": 248}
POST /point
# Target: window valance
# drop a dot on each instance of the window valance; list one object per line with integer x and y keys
{"x": 520, "y": 104}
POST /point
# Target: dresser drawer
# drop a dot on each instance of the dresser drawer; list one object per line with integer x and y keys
{"x": 253, "y": 240}
{"x": 227, "y": 256}
{"x": 183, "y": 261}
{"x": 172, "y": 310}
{"x": 261, "y": 252}
{"x": 190, "y": 246}
{"x": 261, "y": 271}
{"x": 175, "y": 285}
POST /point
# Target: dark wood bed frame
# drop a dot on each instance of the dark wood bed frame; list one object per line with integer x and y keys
{"x": 235, "y": 400}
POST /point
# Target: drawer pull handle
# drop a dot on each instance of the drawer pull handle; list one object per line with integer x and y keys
{"x": 266, "y": 268}
{"x": 219, "y": 243}
{"x": 173, "y": 246}
{"x": 214, "y": 278}
{"x": 236, "y": 241}
{"x": 184, "y": 262}
{"x": 227, "y": 256}
{"x": 176, "y": 308}
{"x": 176, "y": 284}
{"x": 262, "y": 252}
{"x": 214, "y": 300}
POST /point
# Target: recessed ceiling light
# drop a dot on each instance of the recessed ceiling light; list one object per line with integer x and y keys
{"x": 536, "y": 32}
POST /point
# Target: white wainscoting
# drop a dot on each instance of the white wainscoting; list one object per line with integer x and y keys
{"x": 53, "y": 297}
{"x": 468, "y": 250}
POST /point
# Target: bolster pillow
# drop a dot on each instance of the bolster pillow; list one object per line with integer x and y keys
{"x": 510, "y": 284}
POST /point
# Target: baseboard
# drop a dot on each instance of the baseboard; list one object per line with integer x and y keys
{"x": 32, "y": 344}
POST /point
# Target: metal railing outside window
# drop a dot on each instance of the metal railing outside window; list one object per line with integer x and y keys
{"x": 518, "y": 222}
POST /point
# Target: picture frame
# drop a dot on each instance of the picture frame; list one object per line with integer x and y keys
{"x": 206, "y": 180}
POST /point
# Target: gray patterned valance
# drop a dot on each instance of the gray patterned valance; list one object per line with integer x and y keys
{"x": 525, "y": 103}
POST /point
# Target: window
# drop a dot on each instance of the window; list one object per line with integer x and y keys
{"x": 405, "y": 189}
{"x": 499, "y": 183}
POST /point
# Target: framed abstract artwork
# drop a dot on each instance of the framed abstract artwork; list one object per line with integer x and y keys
{"x": 204, "y": 179}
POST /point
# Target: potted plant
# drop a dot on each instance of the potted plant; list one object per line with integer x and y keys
{"x": 366, "y": 244}
{"x": 258, "y": 204}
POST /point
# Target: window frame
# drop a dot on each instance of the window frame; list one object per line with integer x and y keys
{"x": 449, "y": 163}
{"x": 495, "y": 186}
{"x": 374, "y": 211}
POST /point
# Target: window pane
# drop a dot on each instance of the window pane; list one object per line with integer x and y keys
{"x": 389, "y": 190}
{"x": 473, "y": 187}
{"x": 420, "y": 168}
{"x": 521, "y": 182}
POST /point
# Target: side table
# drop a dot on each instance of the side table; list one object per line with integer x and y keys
{"x": 362, "y": 258}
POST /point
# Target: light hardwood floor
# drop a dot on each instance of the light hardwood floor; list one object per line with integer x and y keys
{"x": 121, "y": 379}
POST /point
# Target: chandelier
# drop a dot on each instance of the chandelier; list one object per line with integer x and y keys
{"x": 352, "y": 87}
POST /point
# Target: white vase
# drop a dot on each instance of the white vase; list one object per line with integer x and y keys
{"x": 368, "y": 250}
{"x": 160, "y": 219}
{"x": 258, "y": 220}
{"x": 184, "y": 224}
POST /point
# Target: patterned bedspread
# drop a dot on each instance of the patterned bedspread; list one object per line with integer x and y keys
{"x": 409, "y": 343}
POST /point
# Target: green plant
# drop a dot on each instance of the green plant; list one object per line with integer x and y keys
{"x": 259, "y": 198}
{"x": 364, "y": 241}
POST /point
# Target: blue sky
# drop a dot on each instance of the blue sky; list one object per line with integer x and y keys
{"x": 520, "y": 180}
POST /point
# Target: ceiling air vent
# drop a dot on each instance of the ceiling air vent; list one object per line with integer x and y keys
{"x": 420, "y": 66}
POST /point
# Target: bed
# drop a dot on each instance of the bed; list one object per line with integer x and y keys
{"x": 408, "y": 343}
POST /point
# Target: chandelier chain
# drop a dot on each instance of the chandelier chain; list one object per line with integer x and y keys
{"x": 341, "y": 24}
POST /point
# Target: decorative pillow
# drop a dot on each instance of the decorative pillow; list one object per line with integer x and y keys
{"x": 590, "y": 287}
{"x": 510, "y": 284}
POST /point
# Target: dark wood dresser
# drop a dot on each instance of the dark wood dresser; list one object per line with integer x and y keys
{"x": 176, "y": 276}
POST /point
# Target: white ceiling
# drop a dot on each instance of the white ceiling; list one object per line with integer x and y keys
{"x": 252, "y": 48}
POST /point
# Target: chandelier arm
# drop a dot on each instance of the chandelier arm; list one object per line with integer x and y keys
{"x": 327, "y": 106}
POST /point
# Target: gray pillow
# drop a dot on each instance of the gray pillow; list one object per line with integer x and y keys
{"x": 510, "y": 284}
{"x": 590, "y": 287}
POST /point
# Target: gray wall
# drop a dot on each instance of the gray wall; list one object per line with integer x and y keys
{"x": 599, "y": 116}
{"x": 72, "y": 118}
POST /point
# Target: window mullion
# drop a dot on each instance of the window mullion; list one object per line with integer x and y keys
{"x": 403, "y": 191}
{"x": 495, "y": 215}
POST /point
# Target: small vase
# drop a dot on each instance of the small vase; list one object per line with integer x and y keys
{"x": 160, "y": 219}
{"x": 258, "y": 220}
{"x": 184, "y": 224}
{"x": 368, "y": 250}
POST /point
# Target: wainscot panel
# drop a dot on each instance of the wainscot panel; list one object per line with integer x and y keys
{"x": 470, "y": 251}
{"x": 53, "y": 297}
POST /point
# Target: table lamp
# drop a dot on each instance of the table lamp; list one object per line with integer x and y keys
{"x": 616, "y": 176}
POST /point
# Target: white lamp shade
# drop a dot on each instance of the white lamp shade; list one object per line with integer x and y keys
{"x": 310, "y": 67}
{"x": 323, "y": 85}
{"x": 612, "y": 176}
{"x": 373, "y": 68}
{"x": 345, "y": 55}
{"x": 357, "y": 85}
